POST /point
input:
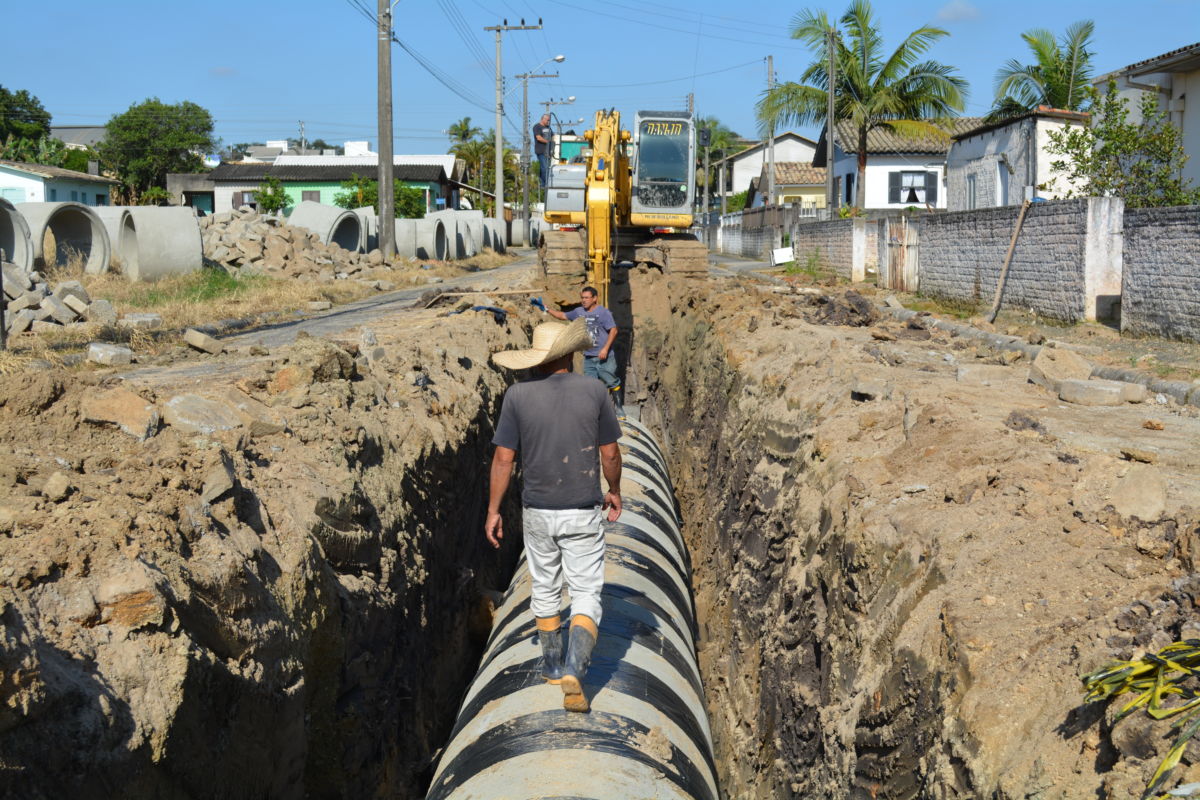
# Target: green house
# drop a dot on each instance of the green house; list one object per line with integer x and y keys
{"x": 233, "y": 185}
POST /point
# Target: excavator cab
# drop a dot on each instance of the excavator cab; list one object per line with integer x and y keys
{"x": 664, "y": 169}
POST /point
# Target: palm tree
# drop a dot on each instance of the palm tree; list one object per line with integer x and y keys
{"x": 1059, "y": 77}
{"x": 721, "y": 141}
{"x": 895, "y": 91}
{"x": 462, "y": 132}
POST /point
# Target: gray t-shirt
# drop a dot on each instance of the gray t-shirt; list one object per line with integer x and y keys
{"x": 557, "y": 424}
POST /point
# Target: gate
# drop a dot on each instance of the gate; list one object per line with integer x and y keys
{"x": 898, "y": 261}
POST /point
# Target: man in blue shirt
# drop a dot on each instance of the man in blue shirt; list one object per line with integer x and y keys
{"x": 599, "y": 360}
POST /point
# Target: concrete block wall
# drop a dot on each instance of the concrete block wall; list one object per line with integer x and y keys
{"x": 961, "y": 254}
{"x": 1161, "y": 292}
{"x": 832, "y": 243}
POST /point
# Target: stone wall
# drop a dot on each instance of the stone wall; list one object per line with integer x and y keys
{"x": 1161, "y": 285}
{"x": 962, "y": 254}
{"x": 831, "y": 243}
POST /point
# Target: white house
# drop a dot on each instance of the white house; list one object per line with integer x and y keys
{"x": 1170, "y": 75}
{"x": 1004, "y": 163}
{"x": 37, "y": 183}
{"x": 902, "y": 171}
{"x": 739, "y": 168}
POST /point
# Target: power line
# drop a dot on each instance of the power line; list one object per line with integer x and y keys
{"x": 666, "y": 80}
{"x": 587, "y": 9}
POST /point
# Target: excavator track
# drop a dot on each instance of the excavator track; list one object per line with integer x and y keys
{"x": 565, "y": 252}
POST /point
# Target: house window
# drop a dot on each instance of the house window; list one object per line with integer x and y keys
{"x": 971, "y": 192}
{"x": 1002, "y": 184}
{"x": 74, "y": 196}
{"x": 53, "y": 195}
{"x": 314, "y": 196}
{"x": 101, "y": 199}
{"x": 912, "y": 188}
{"x": 849, "y": 198}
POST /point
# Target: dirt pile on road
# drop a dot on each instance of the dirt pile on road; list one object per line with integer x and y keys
{"x": 260, "y": 574}
{"x": 898, "y": 585}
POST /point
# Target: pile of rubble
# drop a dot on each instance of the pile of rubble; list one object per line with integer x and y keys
{"x": 31, "y": 305}
{"x": 244, "y": 240}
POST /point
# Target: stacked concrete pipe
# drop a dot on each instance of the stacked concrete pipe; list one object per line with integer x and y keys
{"x": 14, "y": 237}
{"x": 119, "y": 227}
{"x": 461, "y": 230}
{"x": 494, "y": 236}
{"x": 159, "y": 242}
{"x": 369, "y": 221}
{"x": 334, "y": 225}
{"x": 644, "y": 681}
{"x": 75, "y": 227}
{"x": 422, "y": 238}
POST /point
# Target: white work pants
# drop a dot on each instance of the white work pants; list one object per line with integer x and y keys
{"x": 569, "y": 542}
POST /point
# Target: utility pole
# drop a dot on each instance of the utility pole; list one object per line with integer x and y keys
{"x": 387, "y": 197}
{"x": 525, "y": 161}
{"x": 499, "y": 30}
{"x": 301, "y": 137}
{"x": 830, "y": 185}
{"x": 724, "y": 162}
{"x": 691, "y": 103}
{"x": 771, "y": 140}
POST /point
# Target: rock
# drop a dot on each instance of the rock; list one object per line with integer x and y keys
{"x": 375, "y": 258}
{"x": 983, "y": 374}
{"x": 257, "y": 417}
{"x": 864, "y": 391}
{"x": 72, "y": 289}
{"x": 110, "y": 355}
{"x": 193, "y": 414}
{"x": 320, "y": 305}
{"x": 131, "y": 598}
{"x": 141, "y": 321}
{"x": 385, "y": 286}
{"x": 1089, "y": 393}
{"x": 121, "y": 407}
{"x": 57, "y": 310}
{"x": 16, "y": 280}
{"x": 1142, "y": 493}
{"x": 891, "y": 302}
{"x": 1053, "y": 366}
{"x": 101, "y": 312}
{"x": 1012, "y": 356}
{"x": 203, "y": 342}
{"x": 367, "y": 337}
{"x": 1152, "y": 425}
{"x": 72, "y": 302}
{"x": 219, "y": 479}
{"x": 57, "y": 487}
{"x": 23, "y": 301}
{"x": 21, "y": 321}
{"x": 1130, "y": 392}
{"x": 45, "y": 326}
{"x": 290, "y": 377}
{"x": 1143, "y": 456}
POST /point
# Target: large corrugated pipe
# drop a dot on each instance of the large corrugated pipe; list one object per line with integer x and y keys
{"x": 647, "y": 734}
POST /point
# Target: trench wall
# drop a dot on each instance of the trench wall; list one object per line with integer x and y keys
{"x": 1161, "y": 284}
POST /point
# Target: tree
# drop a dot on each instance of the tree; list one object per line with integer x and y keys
{"x": 721, "y": 142}
{"x": 875, "y": 89}
{"x": 360, "y": 191}
{"x": 1140, "y": 162}
{"x": 462, "y": 131}
{"x": 153, "y": 138}
{"x": 321, "y": 144}
{"x": 1058, "y": 77}
{"x": 271, "y": 197}
{"x": 22, "y": 116}
{"x": 43, "y": 150}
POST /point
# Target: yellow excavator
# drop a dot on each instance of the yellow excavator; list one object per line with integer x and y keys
{"x": 629, "y": 200}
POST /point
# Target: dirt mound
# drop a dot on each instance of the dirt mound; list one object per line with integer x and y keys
{"x": 843, "y": 308}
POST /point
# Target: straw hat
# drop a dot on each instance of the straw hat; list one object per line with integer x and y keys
{"x": 551, "y": 340}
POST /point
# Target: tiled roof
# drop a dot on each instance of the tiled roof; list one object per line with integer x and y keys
{"x": 881, "y": 141}
{"x": 1177, "y": 57}
{"x": 44, "y": 171}
{"x": 240, "y": 172}
{"x": 797, "y": 173}
{"x": 1042, "y": 112}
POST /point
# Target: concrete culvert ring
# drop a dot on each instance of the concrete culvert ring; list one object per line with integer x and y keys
{"x": 76, "y": 230}
{"x": 159, "y": 242}
{"x": 431, "y": 239}
{"x": 122, "y": 236}
{"x": 333, "y": 225}
{"x": 14, "y": 236}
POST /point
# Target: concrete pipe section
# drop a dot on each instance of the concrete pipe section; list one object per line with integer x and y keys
{"x": 463, "y": 236}
{"x": 494, "y": 235}
{"x": 160, "y": 242}
{"x": 334, "y": 225}
{"x": 122, "y": 236}
{"x": 14, "y": 236}
{"x": 422, "y": 238}
{"x": 647, "y": 734}
{"x": 77, "y": 232}
{"x": 369, "y": 221}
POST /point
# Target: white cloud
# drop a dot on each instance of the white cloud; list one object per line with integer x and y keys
{"x": 958, "y": 11}
{"x": 222, "y": 72}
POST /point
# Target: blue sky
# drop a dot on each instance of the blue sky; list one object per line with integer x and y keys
{"x": 261, "y": 67}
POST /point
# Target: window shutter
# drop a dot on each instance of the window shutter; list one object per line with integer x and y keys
{"x": 237, "y": 200}
{"x": 931, "y": 182}
{"x": 893, "y": 187}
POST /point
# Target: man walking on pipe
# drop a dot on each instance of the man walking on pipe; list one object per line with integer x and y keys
{"x": 566, "y": 431}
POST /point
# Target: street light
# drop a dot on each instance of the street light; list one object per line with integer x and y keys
{"x": 525, "y": 233}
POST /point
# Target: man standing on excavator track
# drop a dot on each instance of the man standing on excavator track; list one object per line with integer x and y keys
{"x": 599, "y": 360}
{"x": 566, "y": 432}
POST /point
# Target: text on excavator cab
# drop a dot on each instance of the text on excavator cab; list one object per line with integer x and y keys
{"x": 662, "y": 128}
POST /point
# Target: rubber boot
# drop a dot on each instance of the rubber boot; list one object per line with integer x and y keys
{"x": 615, "y": 392}
{"x": 580, "y": 642}
{"x": 550, "y": 637}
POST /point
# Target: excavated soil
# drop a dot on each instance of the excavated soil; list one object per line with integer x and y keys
{"x": 267, "y": 579}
